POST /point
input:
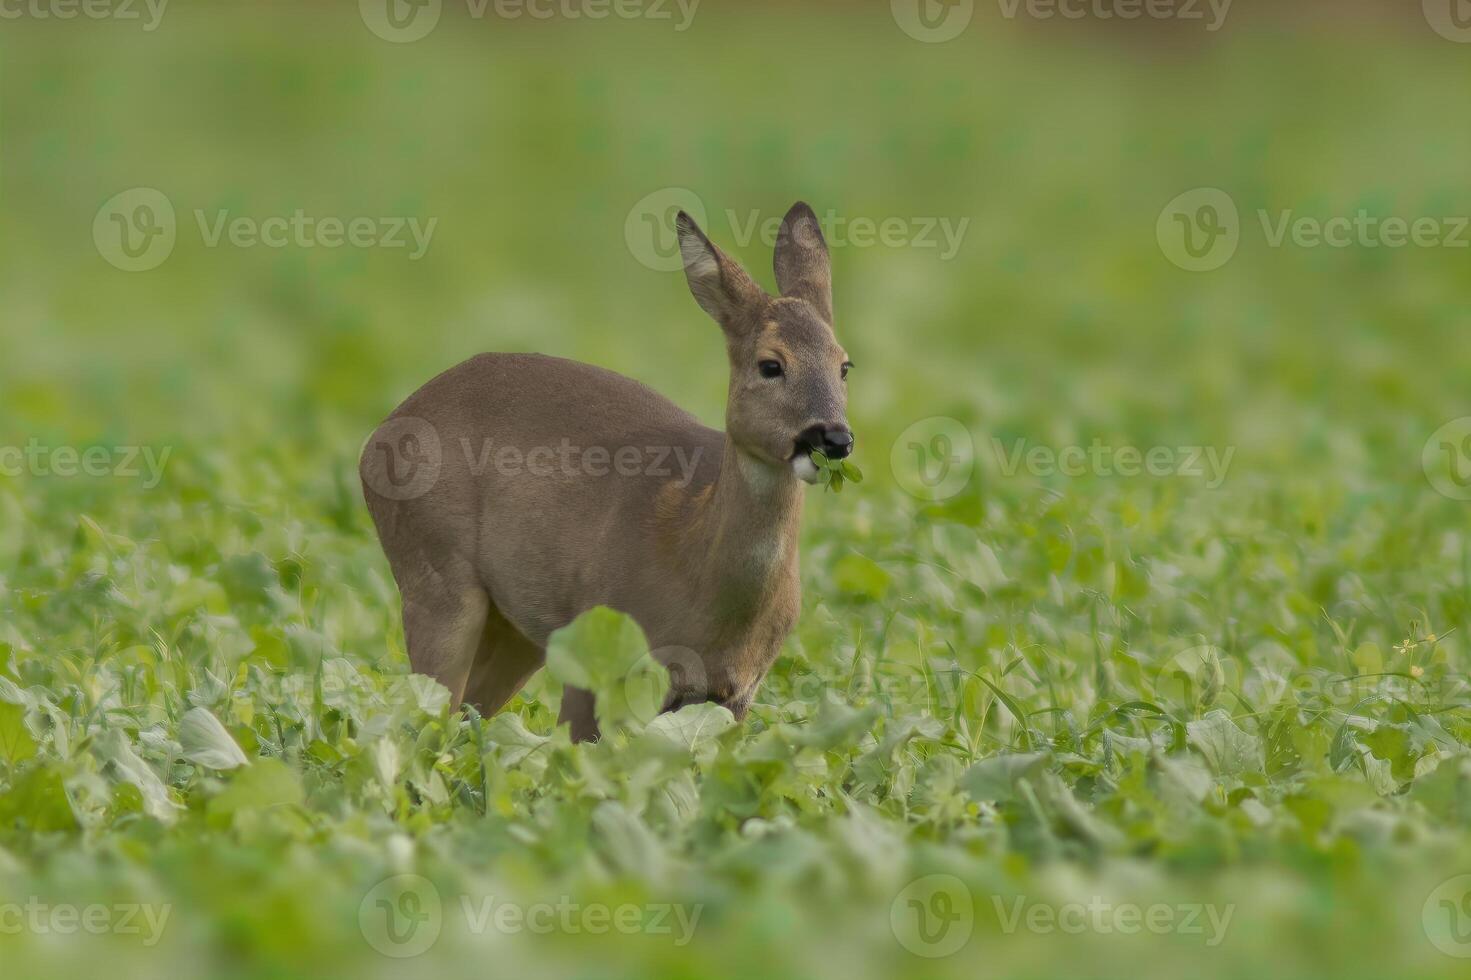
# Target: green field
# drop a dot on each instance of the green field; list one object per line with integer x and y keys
{"x": 1148, "y": 631}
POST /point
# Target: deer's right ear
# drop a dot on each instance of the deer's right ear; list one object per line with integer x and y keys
{"x": 719, "y": 284}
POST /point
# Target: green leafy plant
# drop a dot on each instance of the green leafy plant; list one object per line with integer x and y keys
{"x": 833, "y": 473}
{"x": 205, "y": 702}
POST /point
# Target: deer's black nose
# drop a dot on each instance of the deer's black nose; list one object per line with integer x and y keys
{"x": 837, "y": 441}
{"x": 833, "y": 441}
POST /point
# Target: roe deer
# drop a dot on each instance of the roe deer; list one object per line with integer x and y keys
{"x": 492, "y": 551}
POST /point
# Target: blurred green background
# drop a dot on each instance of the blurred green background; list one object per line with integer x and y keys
{"x": 546, "y": 153}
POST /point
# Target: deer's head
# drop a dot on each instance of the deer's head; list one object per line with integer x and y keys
{"x": 788, "y": 393}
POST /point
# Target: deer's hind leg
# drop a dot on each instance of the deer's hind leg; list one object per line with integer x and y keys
{"x": 504, "y": 662}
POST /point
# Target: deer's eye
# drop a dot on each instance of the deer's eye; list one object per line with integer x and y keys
{"x": 847, "y": 366}
{"x": 769, "y": 369}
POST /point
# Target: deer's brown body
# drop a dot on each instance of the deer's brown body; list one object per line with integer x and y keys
{"x": 553, "y": 487}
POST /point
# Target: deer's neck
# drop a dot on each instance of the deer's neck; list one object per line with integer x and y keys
{"x": 743, "y": 530}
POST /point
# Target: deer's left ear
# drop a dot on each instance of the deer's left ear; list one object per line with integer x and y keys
{"x": 719, "y": 284}
{"x": 803, "y": 269}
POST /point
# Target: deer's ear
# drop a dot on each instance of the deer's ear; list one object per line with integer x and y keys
{"x": 719, "y": 284}
{"x": 803, "y": 270}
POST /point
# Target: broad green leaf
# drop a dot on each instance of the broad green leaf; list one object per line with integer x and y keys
{"x": 1227, "y": 749}
{"x": 421, "y": 693}
{"x": 995, "y": 778}
{"x": 693, "y": 725}
{"x": 509, "y": 733}
{"x": 387, "y": 762}
{"x": 205, "y": 741}
{"x": 1183, "y": 777}
{"x": 860, "y": 575}
{"x": 837, "y": 723}
{"x": 125, "y": 765}
{"x": 38, "y": 801}
{"x": 264, "y": 785}
{"x": 627, "y": 842}
{"x": 1446, "y": 792}
{"x": 605, "y": 652}
{"x": 17, "y": 744}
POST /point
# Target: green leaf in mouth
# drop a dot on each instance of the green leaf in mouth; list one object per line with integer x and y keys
{"x": 832, "y": 473}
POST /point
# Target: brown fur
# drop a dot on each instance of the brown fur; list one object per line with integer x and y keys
{"x": 490, "y": 559}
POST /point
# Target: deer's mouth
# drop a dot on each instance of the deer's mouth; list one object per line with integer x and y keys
{"x": 736, "y": 704}
{"x": 803, "y": 467}
{"x": 801, "y": 459}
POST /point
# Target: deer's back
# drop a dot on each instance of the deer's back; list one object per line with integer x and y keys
{"x": 549, "y": 483}
{"x": 535, "y": 396}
